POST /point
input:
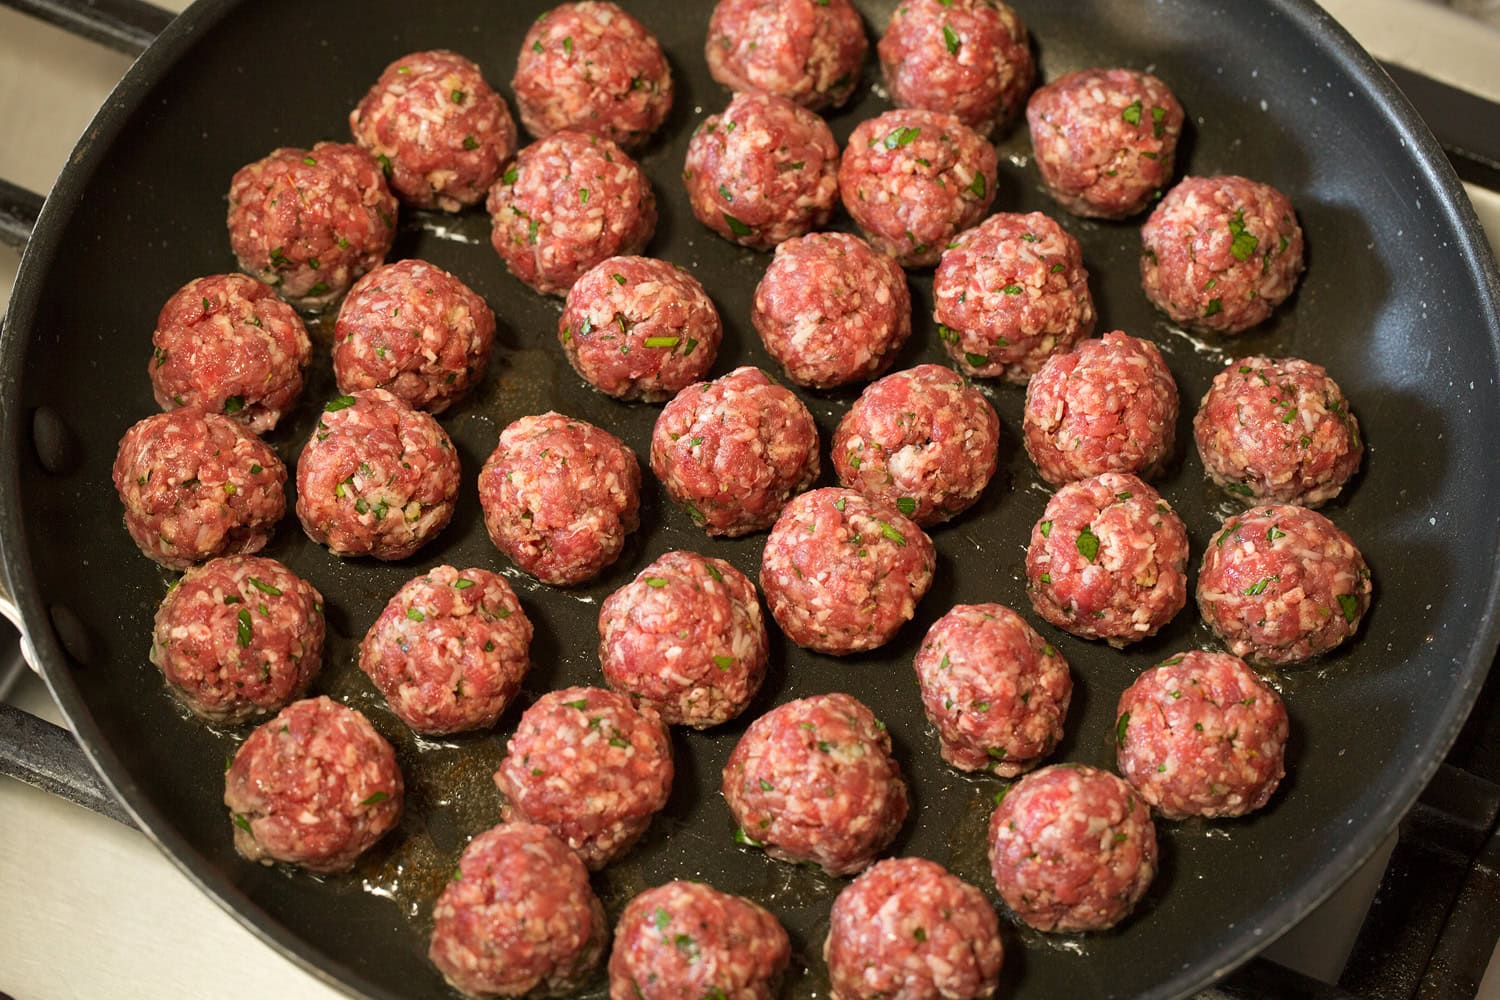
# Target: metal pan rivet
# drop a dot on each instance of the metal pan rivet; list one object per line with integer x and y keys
{"x": 72, "y": 634}
{"x": 55, "y": 447}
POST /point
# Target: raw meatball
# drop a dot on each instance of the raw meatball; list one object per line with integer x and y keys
{"x": 377, "y": 478}
{"x": 1072, "y": 848}
{"x": 995, "y": 690}
{"x": 415, "y": 330}
{"x": 907, "y": 928}
{"x": 565, "y": 204}
{"x": 1108, "y": 405}
{"x": 685, "y": 637}
{"x": 197, "y": 485}
{"x": 808, "y": 51}
{"x": 733, "y": 451}
{"x": 814, "y": 780}
{"x": 1219, "y": 253}
{"x": 831, "y": 310}
{"x": 1201, "y": 735}
{"x": 239, "y": 638}
{"x": 638, "y": 328}
{"x": 1277, "y": 429}
{"x": 592, "y": 67}
{"x": 227, "y": 344}
{"x": 559, "y": 497}
{"x": 1104, "y": 140}
{"x": 913, "y": 179}
{"x": 518, "y": 917}
{"x": 843, "y": 572}
{"x": 1009, "y": 294}
{"x": 591, "y": 767}
{"x": 449, "y": 650}
{"x": 687, "y": 941}
{"x": 316, "y": 786}
{"x": 762, "y": 171}
{"x": 1108, "y": 560}
{"x": 922, "y": 440}
{"x": 1282, "y": 584}
{"x": 439, "y": 130}
{"x": 309, "y": 222}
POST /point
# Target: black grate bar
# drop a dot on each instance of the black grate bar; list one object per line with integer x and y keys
{"x": 1466, "y": 125}
{"x": 48, "y": 757}
{"x": 127, "y": 26}
{"x": 19, "y": 209}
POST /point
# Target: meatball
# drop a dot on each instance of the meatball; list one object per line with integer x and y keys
{"x": 912, "y": 180}
{"x": 1277, "y": 430}
{"x": 1072, "y": 848}
{"x": 309, "y": 222}
{"x": 1201, "y": 735}
{"x": 1104, "y": 140}
{"x": 316, "y": 786}
{"x": 227, "y": 344}
{"x": 907, "y": 928}
{"x": 415, "y": 330}
{"x": 590, "y": 66}
{"x": 638, "y": 328}
{"x": 449, "y": 650}
{"x": 518, "y": 917}
{"x": 376, "y": 478}
{"x": 1108, "y": 405}
{"x": 814, "y": 780}
{"x": 439, "y": 130}
{"x": 687, "y": 940}
{"x": 733, "y": 451}
{"x": 762, "y": 171}
{"x": 1108, "y": 560}
{"x": 1220, "y": 253}
{"x": 197, "y": 485}
{"x": 1282, "y": 584}
{"x": 807, "y": 51}
{"x": 995, "y": 690}
{"x": 565, "y": 204}
{"x": 591, "y": 767}
{"x": 831, "y": 310}
{"x": 559, "y": 497}
{"x": 1010, "y": 293}
{"x": 922, "y": 440}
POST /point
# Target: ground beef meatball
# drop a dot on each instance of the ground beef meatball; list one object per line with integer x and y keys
{"x": 566, "y": 203}
{"x": 733, "y": 451}
{"x": 842, "y": 572}
{"x": 415, "y": 330}
{"x": 592, "y": 67}
{"x": 591, "y": 767}
{"x": 638, "y": 328}
{"x": 907, "y": 928}
{"x": 1108, "y": 405}
{"x": 1009, "y": 294}
{"x": 1220, "y": 253}
{"x": 1282, "y": 584}
{"x": 995, "y": 690}
{"x": 559, "y": 497}
{"x": 968, "y": 58}
{"x": 831, "y": 310}
{"x": 1201, "y": 735}
{"x": 1108, "y": 560}
{"x": 1104, "y": 140}
{"x": 922, "y": 440}
{"x": 316, "y": 786}
{"x": 808, "y": 51}
{"x": 439, "y": 130}
{"x": 687, "y": 941}
{"x": 913, "y": 179}
{"x": 227, "y": 344}
{"x": 310, "y": 222}
{"x": 1278, "y": 430}
{"x": 449, "y": 650}
{"x": 762, "y": 171}
{"x": 518, "y": 917}
{"x": 814, "y": 780}
{"x": 197, "y": 485}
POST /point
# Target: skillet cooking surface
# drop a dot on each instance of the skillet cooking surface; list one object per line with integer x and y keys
{"x": 1397, "y": 302}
